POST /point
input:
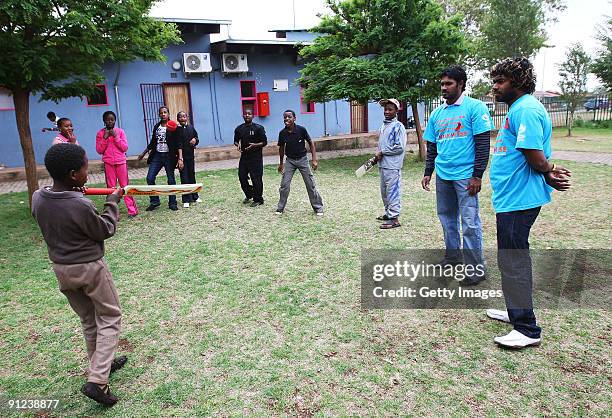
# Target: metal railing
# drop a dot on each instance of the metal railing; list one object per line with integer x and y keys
{"x": 592, "y": 108}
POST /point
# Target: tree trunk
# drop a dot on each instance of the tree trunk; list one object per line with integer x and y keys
{"x": 21, "y": 99}
{"x": 419, "y": 130}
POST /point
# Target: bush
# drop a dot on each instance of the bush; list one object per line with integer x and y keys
{"x": 598, "y": 124}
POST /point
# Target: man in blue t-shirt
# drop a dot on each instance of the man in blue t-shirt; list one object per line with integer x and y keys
{"x": 458, "y": 143}
{"x": 522, "y": 179}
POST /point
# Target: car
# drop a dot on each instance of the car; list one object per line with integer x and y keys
{"x": 597, "y": 103}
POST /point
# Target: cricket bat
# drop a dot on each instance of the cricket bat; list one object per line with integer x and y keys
{"x": 145, "y": 190}
{"x": 367, "y": 166}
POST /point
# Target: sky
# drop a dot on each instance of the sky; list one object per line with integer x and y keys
{"x": 252, "y": 19}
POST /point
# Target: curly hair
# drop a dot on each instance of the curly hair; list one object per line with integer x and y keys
{"x": 61, "y": 159}
{"x": 519, "y": 71}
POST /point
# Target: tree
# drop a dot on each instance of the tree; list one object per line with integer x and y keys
{"x": 573, "y": 72}
{"x": 602, "y": 67}
{"x": 501, "y": 28}
{"x": 376, "y": 49}
{"x": 481, "y": 88}
{"x": 57, "y": 48}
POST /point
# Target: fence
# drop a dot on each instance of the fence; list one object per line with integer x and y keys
{"x": 592, "y": 108}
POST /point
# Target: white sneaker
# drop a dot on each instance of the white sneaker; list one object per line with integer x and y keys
{"x": 185, "y": 205}
{"x": 319, "y": 213}
{"x": 516, "y": 340}
{"x": 278, "y": 212}
{"x": 199, "y": 200}
{"x": 498, "y": 314}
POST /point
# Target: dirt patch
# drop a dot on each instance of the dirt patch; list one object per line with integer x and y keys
{"x": 125, "y": 345}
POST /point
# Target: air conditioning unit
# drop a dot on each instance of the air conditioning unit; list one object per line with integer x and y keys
{"x": 235, "y": 63}
{"x": 196, "y": 62}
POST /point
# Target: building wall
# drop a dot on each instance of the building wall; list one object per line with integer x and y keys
{"x": 215, "y": 100}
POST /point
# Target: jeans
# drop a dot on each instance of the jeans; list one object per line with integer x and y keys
{"x": 391, "y": 191}
{"x": 251, "y": 166}
{"x": 454, "y": 202}
{"x": 303, "y": 166}
{"x": 515, "y": 267}
{"x": 161, "y": 160}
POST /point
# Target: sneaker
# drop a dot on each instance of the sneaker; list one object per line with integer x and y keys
{"x": 278, "y": 212}
{"x": 132, "y": 215}
{"x": 472, "y": 281}
{"x": 151, "y": 207}
{"x": 449, "y": 262}
{"x": 256, "y": 203}
{"x": 95, "y": 392}
{"x": 173, "y": 207}
{"x": 498, "y": 315}
{"x": 391, "y": 223}
{"x": 517, "y": 340}
{"x": 186, "y": 204}
{"x": 199, "y": 200}
{"x": 319, "y": 213}
{"x": 246, "y": 200}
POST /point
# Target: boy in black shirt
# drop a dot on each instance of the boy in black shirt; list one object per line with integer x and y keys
{"x": 250, "y": 138}
{"x": 187, "y": 136}
{"x": 291, "y": 142}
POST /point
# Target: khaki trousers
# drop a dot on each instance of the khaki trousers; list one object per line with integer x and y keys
{"x": 91, "y": 293}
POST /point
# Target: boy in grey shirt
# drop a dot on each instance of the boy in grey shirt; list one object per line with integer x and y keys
{"x": 75, "y": 232}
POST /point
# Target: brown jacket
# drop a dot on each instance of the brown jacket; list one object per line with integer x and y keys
{"x": 72, "y": 227}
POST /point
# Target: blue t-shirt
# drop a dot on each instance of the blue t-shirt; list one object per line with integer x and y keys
{"x": 452, "y": 128}
{"x": 517, "y": 186}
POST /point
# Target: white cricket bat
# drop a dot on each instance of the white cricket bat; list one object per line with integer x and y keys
{"x": 367, "y": 166}
{"x": 145, "y": 190}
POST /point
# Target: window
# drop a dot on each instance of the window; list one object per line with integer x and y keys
{"x": 6, "y": 100}
{"x": 306, "y": 107}
{"x": 98, "y": 97}
{"x": 248, "y": 96}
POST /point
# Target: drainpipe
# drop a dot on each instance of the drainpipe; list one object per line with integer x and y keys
{"x": 116, "y": 88}
{"x": 325, "y": 133}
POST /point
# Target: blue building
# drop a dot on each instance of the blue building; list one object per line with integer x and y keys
{"x": 212, "y": 81}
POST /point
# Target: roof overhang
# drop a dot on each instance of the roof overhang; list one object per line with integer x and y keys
{"x": 202, "y": 26}
{"x": 269, "y": 46}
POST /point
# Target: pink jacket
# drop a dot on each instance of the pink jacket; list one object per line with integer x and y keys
{"x": 112, "y": 148}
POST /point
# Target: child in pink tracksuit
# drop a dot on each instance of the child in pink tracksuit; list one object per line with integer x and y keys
{"x": 112, "y": 144}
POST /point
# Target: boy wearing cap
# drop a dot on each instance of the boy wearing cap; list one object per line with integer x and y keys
{"x": 390, "y": 159}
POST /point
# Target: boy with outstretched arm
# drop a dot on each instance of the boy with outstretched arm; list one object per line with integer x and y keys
{"x": 75, "y": 241}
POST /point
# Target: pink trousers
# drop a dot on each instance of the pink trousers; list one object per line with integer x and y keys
{"x": 119, "y": 172}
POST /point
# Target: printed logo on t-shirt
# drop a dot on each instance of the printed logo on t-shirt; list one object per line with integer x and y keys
{"x": 451, "y": 128}
{"x": 520, "y": 136}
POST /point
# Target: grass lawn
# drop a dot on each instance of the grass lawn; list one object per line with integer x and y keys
{"x": 582, "y": 139}
{"x": 231, "y": 310}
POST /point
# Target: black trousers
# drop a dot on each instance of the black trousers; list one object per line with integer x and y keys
{"x": 515, "y": 266}
{"x": 251, "y": 166}
{"x": 188, "y": 177}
